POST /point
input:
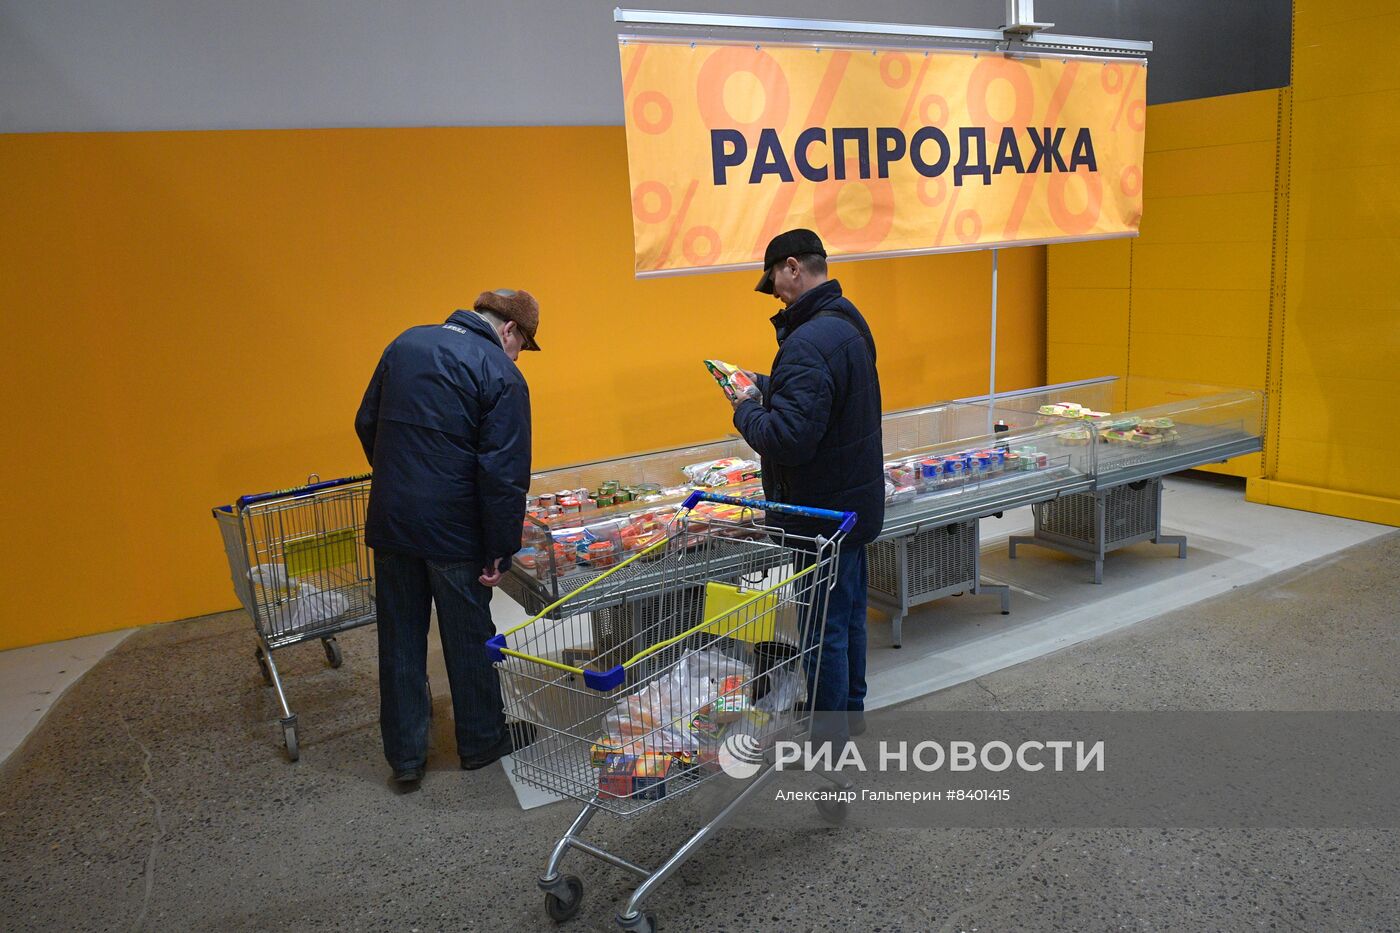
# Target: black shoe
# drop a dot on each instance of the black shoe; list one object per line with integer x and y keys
{"x": 408, "y": 778}
{"x": 856, "y": 718}
{"x": 517, "y": 736}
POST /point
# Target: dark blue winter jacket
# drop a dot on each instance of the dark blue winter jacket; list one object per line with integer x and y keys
{"x": 445, "y": 424}
{"x": 818, "y": 426}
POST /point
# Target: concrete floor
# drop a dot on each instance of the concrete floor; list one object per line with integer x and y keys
{"x": 151, "y": 798}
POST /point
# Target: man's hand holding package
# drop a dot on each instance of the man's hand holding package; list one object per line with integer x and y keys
{"x": 745, "y": 388}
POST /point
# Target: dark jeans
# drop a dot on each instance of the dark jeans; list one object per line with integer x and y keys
{"x": 840, "y": 679}
{"x": 405, "y": 589}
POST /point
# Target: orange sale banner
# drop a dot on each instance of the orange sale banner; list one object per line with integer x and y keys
{"x": 884, "y": 152}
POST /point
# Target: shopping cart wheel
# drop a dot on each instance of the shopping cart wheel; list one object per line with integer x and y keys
{"x": 333, "y": 656}
{"x": 640, "y": 923}
{"x": 289, "y": 736}
{"x": 833, "y": 811}
{"x": 262, "y": 665}
{"x": 562, "y": 901}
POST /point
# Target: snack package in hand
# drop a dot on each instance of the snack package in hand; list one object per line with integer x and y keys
{"x": 733, "y": 380}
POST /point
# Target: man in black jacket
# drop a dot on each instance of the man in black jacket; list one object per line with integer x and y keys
{"x": 816, "y": 424}
{"x": 445, "y": 424}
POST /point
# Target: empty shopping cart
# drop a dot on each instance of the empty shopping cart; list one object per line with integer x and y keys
{"x": 301, "y": 570}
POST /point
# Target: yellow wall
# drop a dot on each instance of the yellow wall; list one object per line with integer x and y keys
{"x": 192, "y": 316}
{"x": 1270, "y": 235}
{"x": 1335, "y": 448}
{"x": 1189, "y": 299}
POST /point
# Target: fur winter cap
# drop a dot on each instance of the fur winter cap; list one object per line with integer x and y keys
{"x": 513, "y": 305}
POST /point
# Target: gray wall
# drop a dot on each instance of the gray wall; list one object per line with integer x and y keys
{"x": 77, "y": 65}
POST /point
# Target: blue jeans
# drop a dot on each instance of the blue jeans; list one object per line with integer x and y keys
{"x": 406, "y": 587}
{"x": 840, "y": 680}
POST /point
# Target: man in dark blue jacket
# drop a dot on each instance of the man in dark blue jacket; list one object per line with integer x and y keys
{"x": 445, "y": 424}
{"x": 816, "y": 424}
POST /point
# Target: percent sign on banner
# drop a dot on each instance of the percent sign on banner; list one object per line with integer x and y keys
{"x": 881, "y": 152}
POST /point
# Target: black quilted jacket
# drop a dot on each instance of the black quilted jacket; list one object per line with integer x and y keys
{"x": 445, "y": 423}
{"x": 818, "y": 426}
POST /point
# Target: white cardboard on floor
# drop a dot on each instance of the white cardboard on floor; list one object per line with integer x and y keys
{"x": 1055, "y": 604}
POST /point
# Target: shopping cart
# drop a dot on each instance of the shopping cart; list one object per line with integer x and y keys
{"x": 301, "y": 569}
{"x": 722, "y": 653}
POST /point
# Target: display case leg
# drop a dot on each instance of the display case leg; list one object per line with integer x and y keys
{"x": 1178, "y": 540}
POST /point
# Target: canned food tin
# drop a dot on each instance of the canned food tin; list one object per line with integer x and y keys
{"x": 604, "y": 500}
{"x": 546, "y": 500}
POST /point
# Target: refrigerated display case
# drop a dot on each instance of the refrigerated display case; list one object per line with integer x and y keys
{"x": 947, "y": 466}
{"x": 586, "y": 518}
{"x": 1141, "y": 430}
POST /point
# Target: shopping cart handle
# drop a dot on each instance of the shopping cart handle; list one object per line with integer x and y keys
{"x": 299, "y": 490}
{"x": 847, "y": 519}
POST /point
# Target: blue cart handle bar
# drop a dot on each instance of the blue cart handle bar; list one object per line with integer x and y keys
{"x": 245, "y": 501}
{"x": 847, "y": 519}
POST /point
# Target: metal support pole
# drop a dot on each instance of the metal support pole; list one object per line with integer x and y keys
{"x": 992, "y": 363}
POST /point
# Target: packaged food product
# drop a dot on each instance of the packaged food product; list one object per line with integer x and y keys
{"x": 600, "y": 555}
{"x": 615, "y": 776}
{"x": 607, "y": 745}
{"x": 649, "y": 774}
{"x": 930, "y": 473}
{"x": 727, "y": 471}
{"x": 733, "y": 699}
{"x": 733, "y": 380}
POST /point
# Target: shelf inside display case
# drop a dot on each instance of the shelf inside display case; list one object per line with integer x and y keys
{"x": 1143, "y": 428}
{"x": 967, "y": 461}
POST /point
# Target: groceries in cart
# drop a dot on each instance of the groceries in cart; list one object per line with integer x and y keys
{"x": 735, "y": 383}
{"x": 685, "y": 715}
